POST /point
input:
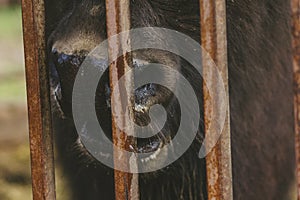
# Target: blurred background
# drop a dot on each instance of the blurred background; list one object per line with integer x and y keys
{"x": 15, "y": 180}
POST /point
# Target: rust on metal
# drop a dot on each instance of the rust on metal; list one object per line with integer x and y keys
{"x": 295, "y": 5}
{"x": 39, "y": 114}
{"x": 118, "y": 20}
{"x": 214, "y": 41}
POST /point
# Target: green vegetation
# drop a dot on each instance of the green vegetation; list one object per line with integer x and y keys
{"x": 10, "y": 22}
{"x": 12, "y": 81}
{"x": 15, "y": 181}
{"x": 12, "y": 89}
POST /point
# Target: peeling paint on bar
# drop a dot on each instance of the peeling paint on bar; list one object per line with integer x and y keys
{"x": 214, "y": 41}
{"x": 38, "y": 99}
{"x": 118, "y": 20}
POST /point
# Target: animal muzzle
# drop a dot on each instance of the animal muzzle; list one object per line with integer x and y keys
{"x": 65, "y": 68}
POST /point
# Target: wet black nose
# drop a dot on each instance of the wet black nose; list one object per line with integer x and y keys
{"x": 144, "y": 95}
{"x": 144, "y": 99}
{"x": 66, "y": 66}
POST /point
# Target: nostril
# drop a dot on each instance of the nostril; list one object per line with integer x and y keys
{"x": 144, "y": 99}
{"x": 143, "y": 94}
{"x": 151, "y": 88}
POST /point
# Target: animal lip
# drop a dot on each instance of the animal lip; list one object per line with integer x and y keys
{"x": 149, "y": 145}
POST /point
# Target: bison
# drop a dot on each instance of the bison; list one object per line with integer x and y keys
{"x": 260, "y": 92}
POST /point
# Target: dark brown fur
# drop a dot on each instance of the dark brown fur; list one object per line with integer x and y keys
{"x": 261, "y": 98}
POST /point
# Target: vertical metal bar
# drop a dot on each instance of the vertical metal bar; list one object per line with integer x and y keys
{"x": 118, "y": 20}
{"x": 214, "y": 41}
{"x": 42, "y": 162}
{"x": 295, "y": 5}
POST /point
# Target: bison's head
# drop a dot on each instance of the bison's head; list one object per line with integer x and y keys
{"x": 83, "y": 29}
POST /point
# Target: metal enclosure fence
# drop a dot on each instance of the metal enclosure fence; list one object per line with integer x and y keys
{"x": 213, "y": 39}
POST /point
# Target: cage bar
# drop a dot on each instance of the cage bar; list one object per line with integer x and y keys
{"x": 38, "y": 99}
{"x": 214, "y": 41}
{"x": 295, "y": 5}
{"x": 117, "y": 21}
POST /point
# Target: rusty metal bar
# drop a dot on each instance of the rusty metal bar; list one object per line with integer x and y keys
{"x": 214, "y": 41}
{"x": 295, "y": 5}
{"x": 41, "y": 149}
{"x": 118, "y": 20}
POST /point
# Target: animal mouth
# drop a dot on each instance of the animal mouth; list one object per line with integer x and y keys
{"x": 149, "y": 149}
{"x": 153, "y": 146}
{"x": 149, "y": 145}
